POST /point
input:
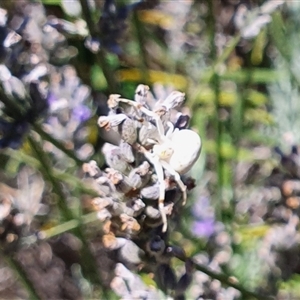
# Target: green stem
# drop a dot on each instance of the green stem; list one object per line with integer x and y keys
{"x": 71, "y": 180}
{"x": 68, "y": 226}
{"x": 215, "y": 81}
{"x": 88, "y": 264}
{"x": 47, "y": 171}
{"x": 140, "y": 36}
{"x": 46, "y": 136}
{"x": 221, "y": 59}
{"x": 100, "y": 55}
{"x": 229, "y": 282}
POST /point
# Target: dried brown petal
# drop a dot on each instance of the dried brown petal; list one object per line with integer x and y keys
{"x": 129, "y": 223}
{"x": 111, "y": 242}
{"x": 119, "y": 180}
{"x": 111, "y": 121}
{"x": 291, "y": 187}
{"x": 112, "y": 101}
{"x": 100, "y": 203}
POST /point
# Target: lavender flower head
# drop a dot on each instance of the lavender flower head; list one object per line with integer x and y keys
{"x": 139, "y": 190}
{"x": 69, "y": 108}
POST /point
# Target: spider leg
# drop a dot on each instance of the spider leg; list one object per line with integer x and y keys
{"x": 162, "y": 187}
{"x": 155, "y": 116}
{"x": 170, "y": 130}
{"x": 177, "y": 178}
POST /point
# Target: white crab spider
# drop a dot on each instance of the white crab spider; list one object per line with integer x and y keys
{"x": 175, "y": 151}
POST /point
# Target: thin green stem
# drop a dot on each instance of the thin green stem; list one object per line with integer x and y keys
{"x": 217, "y": 61}
{"x": 215, "y": 82}
{"x": 140, "y": 36}
{"x": 100, "y": 55}
{"x": 47, "y": 171}
{"x": 68, "y": 226}
{"x": 71, "y": 180}
{"x": 230, "y": 282}
{"x": 46, "y": 136}
{"x": 88, "y": 265}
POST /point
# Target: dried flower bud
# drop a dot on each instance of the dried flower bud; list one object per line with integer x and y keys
{"x": 291, "y": 187}
{"x": 100, "y": 203}
{"x": 110, "y": 241}
{"x": 119, "y": 180}
{"x": 156, "y": 245}
{"x": 166, "y": 278}
{"x": 176, "y": 251}
{"x": 111, "y": 121}
{"x": 147, "y": 132}
{"x": 112, "y": 101}
{"x": 124, "y": 273}
{"x": 91, "y": 168}
{"x": 150, "y": 192}
{"x": 141, "y": 94}
{"x": 114, "y": 158}
{"x": 126, "y": 151}
{"x": 130, "y": 253}
{"x": 119, "y": 286}
{"x": 138, "y": 206}
{"x": 129, "y": 224}
{"x": 104, "y": 215}
{"x": 182, "y": 122}
{"x": 183, "y": 283}
{"x": 143, "y": 169}
{"x": 139, "y": 176}
{"x": 128, "y": 131}
{"x": 152, "y": 212}
{"x": 173, "y": 100}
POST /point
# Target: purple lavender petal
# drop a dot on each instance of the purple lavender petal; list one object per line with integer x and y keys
{"x": 204, "y": 228}
{"x": 200, "y": 207}
{"x": 51, "y": 98}
{"x": 81, "y": 113}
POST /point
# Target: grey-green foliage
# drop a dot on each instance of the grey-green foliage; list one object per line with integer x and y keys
{"x": 285, "y": 94}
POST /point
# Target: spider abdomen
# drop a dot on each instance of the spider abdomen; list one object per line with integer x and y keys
{"x": 187, "y": 148}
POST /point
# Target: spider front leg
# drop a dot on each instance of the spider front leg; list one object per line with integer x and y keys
{"x": 177, "y": 178}
{"x": 162, "y": 187}
{"x": 155, "y": 116}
